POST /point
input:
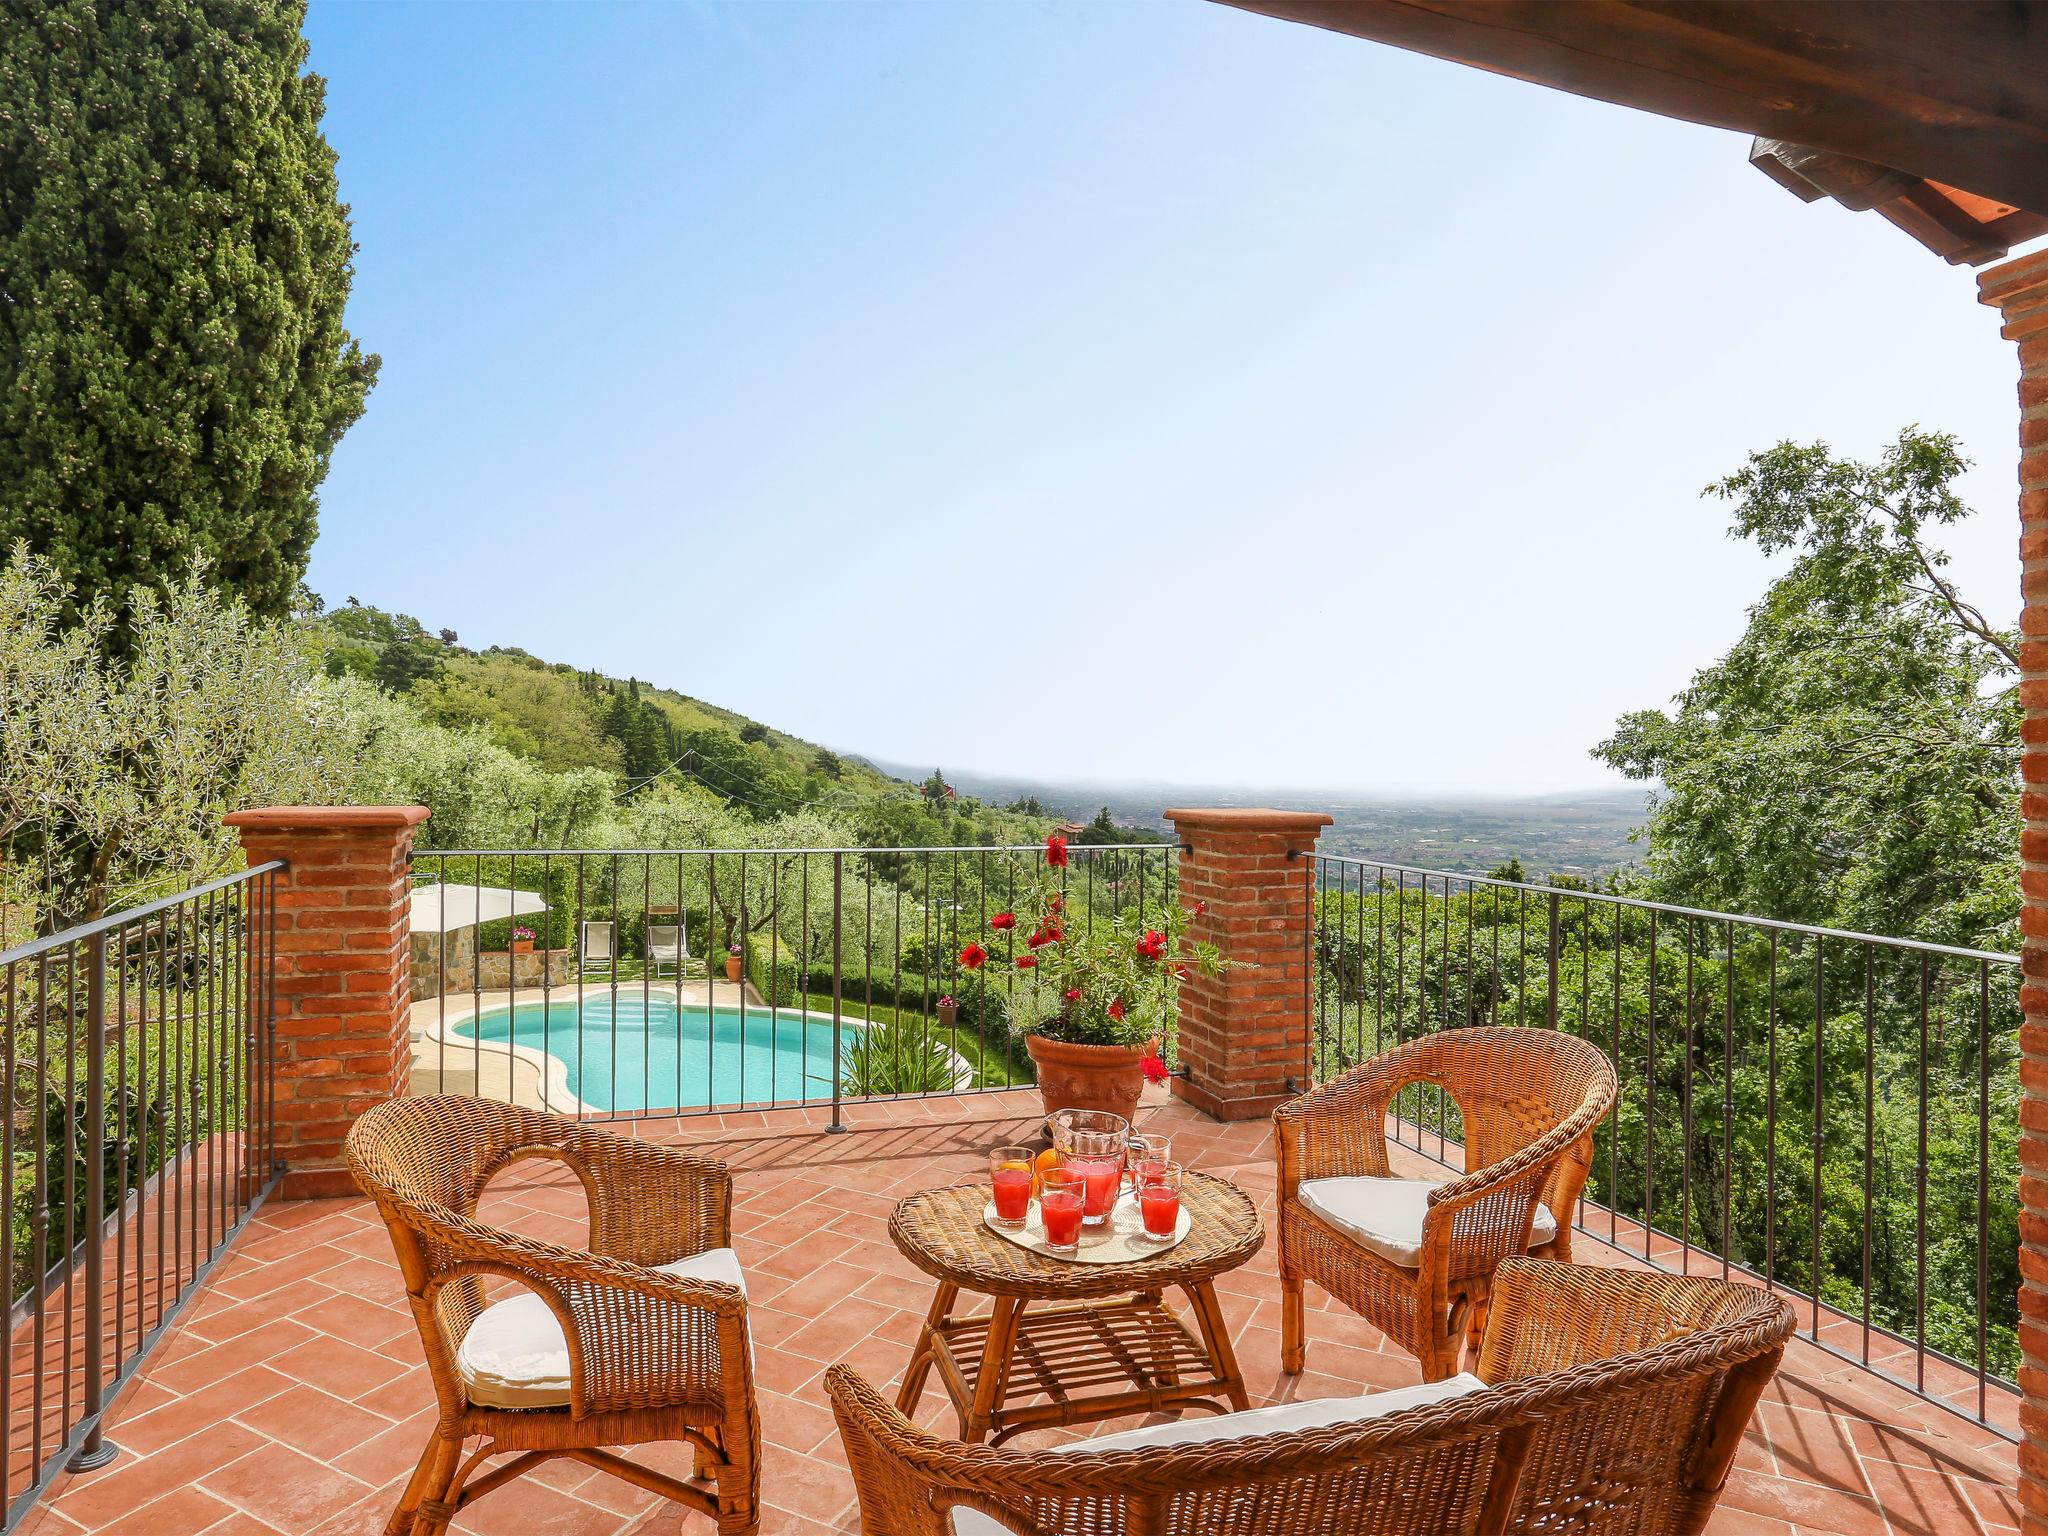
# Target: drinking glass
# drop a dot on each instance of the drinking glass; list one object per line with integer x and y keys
{"x": 1009, "y": 1174}
{"x": 1159, "y": 1203}
{"x": 1145, "y": 1154}
{"x": 1059, "y": 1207}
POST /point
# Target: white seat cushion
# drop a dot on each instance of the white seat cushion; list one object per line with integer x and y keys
{"x": 1247, "y": 1425}
{"x": 1385, "y": 1215}
{"x": 515, "y": 1355}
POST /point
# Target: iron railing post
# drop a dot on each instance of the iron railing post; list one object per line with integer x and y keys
{"x": 1550, "y": 1002}
{"x": 96, "y": 1450}
{"x": 838, "y": 980}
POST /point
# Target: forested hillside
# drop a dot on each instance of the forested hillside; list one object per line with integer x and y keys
{"x": 582, "y": 759}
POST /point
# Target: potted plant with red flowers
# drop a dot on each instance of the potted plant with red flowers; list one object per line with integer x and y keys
{"x": 1093, "y": 1002}
{"x": 949, "y": 1011}
{"x": 733, "y": 960}
{"x": 522, "y": 941}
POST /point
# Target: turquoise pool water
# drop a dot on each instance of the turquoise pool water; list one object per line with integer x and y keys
{"x": 635, "y": 1052}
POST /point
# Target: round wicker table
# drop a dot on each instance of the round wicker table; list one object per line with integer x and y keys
{"x": 1069, "y": 1343}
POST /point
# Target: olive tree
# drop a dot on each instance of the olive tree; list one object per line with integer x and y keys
{"x": 115, "y": 770}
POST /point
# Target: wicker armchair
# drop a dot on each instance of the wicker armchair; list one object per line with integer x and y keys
{"x": 1607, "y": 1403}
{"x": 1415, "y": 1258}
{"x": 643, "y": 1339}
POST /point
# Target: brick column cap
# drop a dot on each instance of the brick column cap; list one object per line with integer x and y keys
{"x": 339, "y": 818}
{"x": 1243, "y": 819}
{"x": 1996, "y": 284}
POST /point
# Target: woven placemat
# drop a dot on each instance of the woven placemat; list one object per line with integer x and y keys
{"x": 1120, "y": 1240}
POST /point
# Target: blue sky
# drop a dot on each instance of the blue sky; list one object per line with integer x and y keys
{"x": 1148, "y": 391}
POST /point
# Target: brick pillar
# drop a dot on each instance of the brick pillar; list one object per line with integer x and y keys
{"x": 1244, "y": 1034}
{"x": 343, "y": 974}
{"x": 2019, "y": 290}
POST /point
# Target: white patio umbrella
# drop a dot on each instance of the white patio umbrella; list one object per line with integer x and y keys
{"x": 445, "y": 908}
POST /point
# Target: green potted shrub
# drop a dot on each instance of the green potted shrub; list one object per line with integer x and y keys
{"x": 1092, "y": 1005}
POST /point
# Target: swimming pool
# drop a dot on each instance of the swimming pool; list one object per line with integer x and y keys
{"x": 629, "y": 1051}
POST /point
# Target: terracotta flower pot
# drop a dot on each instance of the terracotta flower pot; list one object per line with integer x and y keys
{"x": 732, "y": 967}
{"x": 522, "y": 946}
{"x": 1088, "y": 1076}
{"x": 949, "y": 1015}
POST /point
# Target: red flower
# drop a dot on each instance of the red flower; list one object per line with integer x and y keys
{"x": 1201, "y": 907}
{"x": 1055, "y": 902}
{"x": 1045, "y": 936}
{"x": 1056, "y": 851}
{"x": 1073, "y": 994}
{"x": 1154, "y": 1068}
{"x": 1152, "y": 946}
{"x": 973, "y": 956}
{"x": 1025, "y": 962}
{"x": 1116, "y": 1009}
{"x": 1003, "y": 920}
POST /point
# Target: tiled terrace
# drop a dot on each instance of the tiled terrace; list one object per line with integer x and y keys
{"x": 292, "y": 1398}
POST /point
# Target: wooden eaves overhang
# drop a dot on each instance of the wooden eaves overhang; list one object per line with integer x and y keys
{"x": 1933, "y": 113}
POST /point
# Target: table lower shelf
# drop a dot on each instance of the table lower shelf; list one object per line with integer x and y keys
{"x": 1087, "y": 1360}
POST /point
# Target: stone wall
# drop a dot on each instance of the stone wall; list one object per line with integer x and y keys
{"x": 498, "y": 971}
{"x": 430, "y": 973}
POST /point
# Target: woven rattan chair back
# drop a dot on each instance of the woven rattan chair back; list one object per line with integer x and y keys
{"x": 1528, "y": 1101}
{"x": 651, "y": 1357}
{"x": 1568, "y": 1441}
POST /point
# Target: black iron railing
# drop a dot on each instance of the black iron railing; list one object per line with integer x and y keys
{"x": 666, "y": 982}
{"x": 137, "y": 1139}
{"x": 1832, "y": 1113}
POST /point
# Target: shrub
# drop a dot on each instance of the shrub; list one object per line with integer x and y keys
{"x": 896, "y": 1058}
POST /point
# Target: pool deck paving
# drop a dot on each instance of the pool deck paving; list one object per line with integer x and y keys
{"x": 292, "y": 1400}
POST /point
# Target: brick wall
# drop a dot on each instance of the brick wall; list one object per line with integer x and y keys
{"x": 343, "y": 974}
{"x": 1244, "y": 1035}
{"x": 2019, "y": 289}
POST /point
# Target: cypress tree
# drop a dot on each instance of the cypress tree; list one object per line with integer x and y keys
{"x": 174, "y": 264}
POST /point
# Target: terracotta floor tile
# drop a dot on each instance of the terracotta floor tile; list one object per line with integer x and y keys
{"x": 1918, "y": 1501}
{"x": 108, "y": 1497}
{"x": 356, "y": 1319}
{"x": 307, "y": 1407}
{"x": 312, "y": 1421}
{"x": 197, "y": 1411}
{"x": 339, "y": 1367}
{"x": 240, "y": 1524}
{"x": 186, "y": 1512}
{"x": 284, "y": 1488}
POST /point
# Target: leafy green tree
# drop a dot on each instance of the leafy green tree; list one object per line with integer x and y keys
{"x": 481, "y": 795}
{"x": 1853, "y": 760}
{"x": 528, "y": 708}
{"x": 117, "y": 769}
{"x": 175, "y": 260}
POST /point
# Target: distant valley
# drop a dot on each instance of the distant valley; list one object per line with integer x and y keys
{"x": 1582, "y": 833}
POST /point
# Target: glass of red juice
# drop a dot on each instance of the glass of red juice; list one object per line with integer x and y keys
{"x": 1159, "y": 1203}
{"x": 1146, "y": 1155}
{"x": 1009, "y": 1175}
{"x": 1059, "y": 1208}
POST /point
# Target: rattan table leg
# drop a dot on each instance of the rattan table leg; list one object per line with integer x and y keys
{"x": 1216, "y": 1339}
{"x": 992, "y": 1383}
{"x": 1164, "y": 1369}
{"x": 927, "y": 1342}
